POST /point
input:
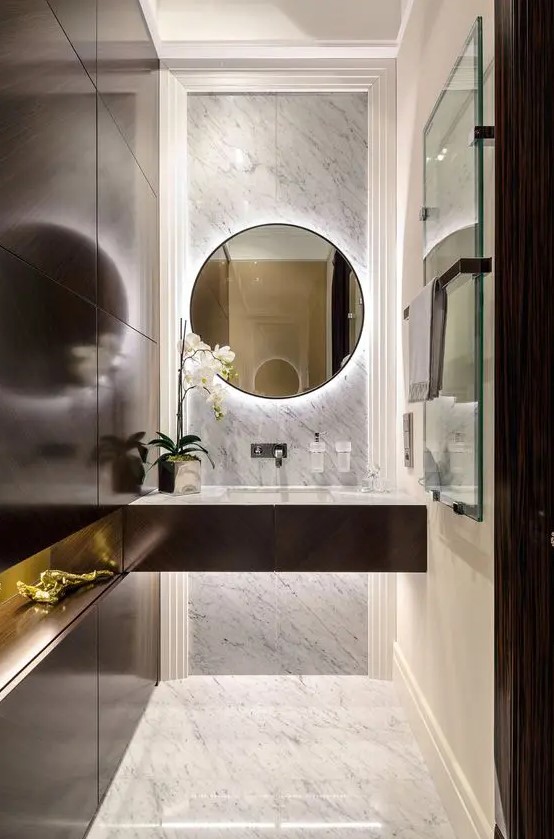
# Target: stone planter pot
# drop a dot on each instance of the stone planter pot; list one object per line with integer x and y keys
{"x": 181, "y": 477}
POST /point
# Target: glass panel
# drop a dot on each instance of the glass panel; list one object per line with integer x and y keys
{"x": 453, "y": 229}
{"x": 452, "y": 422}
{"x": 453, "y": 191}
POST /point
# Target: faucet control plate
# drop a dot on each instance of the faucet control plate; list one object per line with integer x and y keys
{"x": 258, "y": 450}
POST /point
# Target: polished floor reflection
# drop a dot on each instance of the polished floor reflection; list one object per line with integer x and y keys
{"x": 268, "y": 756}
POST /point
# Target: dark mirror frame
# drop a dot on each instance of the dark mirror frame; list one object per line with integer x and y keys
{"x": 325, "y": 239}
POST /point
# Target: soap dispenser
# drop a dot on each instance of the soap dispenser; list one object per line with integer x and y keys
{"x": 317, "y": 454}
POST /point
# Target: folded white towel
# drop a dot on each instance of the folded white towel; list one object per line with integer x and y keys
{"x": 427, "y": 325}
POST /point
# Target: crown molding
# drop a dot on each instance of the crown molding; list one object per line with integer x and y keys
{"x": 151, "y": 21}
{"x": 174, "y": 53}
{"x": 404, "y": 22}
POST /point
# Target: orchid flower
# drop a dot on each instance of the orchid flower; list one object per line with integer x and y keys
{"x": 200, "y": 368}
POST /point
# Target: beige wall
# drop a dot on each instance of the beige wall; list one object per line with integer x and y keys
{"x": 277, "y": 310}
{"x": 444, "y": 651}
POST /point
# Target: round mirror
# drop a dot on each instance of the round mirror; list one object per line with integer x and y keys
{"x": 286, "y": 301}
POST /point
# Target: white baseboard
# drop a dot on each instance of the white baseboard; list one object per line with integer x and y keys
{"x": 466, "y": 815}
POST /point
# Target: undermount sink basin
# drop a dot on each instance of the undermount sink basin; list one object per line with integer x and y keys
{"x": 278, "y": 495}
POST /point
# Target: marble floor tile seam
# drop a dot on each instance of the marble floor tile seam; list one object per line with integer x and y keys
{"x": 269, "y": 690}
{"x": 324, "y": 763}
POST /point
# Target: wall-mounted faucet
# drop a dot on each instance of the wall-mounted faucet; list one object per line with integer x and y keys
{"x": 277, "y": 451}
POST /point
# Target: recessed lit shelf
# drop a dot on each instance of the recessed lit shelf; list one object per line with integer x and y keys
{"x": 28, "y": 630}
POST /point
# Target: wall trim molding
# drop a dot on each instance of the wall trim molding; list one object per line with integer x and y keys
{"x": 381, "y": 624}
{"x": 173, "y": 237}
{"x": 278, "y": 76}
{"x": 173, "y": 625}
{"x": 378, "y": 80}
{"x": 464, "y": 811}
{"x": 173, "y": 52}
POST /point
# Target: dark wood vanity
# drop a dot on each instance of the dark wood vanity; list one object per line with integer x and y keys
{"x": 273, "y": 537}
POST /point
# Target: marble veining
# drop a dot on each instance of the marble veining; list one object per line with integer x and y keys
{"x": 232, "y": 623}
{"x": 295, "y": 757}
{"x": 322, "y": 148}
{"x": 301, "y": 159}
{"x": 281, "y": 495}
{"x": 278, "y": 623}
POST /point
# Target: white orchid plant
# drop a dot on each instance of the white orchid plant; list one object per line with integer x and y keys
{"x": 200, "y": 368}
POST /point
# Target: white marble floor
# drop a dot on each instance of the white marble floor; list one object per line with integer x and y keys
{"x": 242, "y": 757}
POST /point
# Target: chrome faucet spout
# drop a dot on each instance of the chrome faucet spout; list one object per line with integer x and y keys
{"x": 277, "y": 451}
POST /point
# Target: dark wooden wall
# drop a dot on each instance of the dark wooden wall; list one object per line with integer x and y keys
{"x": 65, "y": 727}
{"x": 78, "y": 262}
{"x": 524, "y": 433}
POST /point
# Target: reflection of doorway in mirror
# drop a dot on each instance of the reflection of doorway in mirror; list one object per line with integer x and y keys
{"x": 276, "y": 378}
{"x": 276, "y": 311}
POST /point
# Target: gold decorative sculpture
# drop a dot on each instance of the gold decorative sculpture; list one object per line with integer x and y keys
{"x": 55, "y": 585}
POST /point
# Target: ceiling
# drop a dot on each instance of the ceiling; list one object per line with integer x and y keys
{"x": 274, "y": 21}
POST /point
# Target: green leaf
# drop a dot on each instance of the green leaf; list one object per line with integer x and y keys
{"x": 163, "y": 445}
{"x": 165, "y": 437}
{"x": 188, "y": 438}
{"x": 196, "y": 448}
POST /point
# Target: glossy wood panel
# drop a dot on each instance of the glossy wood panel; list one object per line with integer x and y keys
{"x": 127, "y": 233}
{"x": 48, "y": 732}
{"x": 48, "y": 481}
{"x": 198, "y": 538}
{"x": 98, "y": 546}
{"x": 47, "y": 147}
{"x": 128, "y": 644}
{"x": 524, "y": 419}
{"x": 266, "y": 538}
{"x": 128, "y": 70}
{"x": 341, "y": 538}
{"x": 27, "y": 629}
{"x": 78, "y": 20}
{"x": 127, "y": 404}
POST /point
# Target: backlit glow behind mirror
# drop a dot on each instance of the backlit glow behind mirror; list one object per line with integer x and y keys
{"x": 288, "y": 303}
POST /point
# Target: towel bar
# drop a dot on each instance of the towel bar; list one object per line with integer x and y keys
{"x": 468, "y": 265}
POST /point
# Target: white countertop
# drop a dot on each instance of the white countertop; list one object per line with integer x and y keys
{"x": 283, "y": 496}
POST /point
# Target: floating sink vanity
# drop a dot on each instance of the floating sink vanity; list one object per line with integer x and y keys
{"x": 276, "y": 529}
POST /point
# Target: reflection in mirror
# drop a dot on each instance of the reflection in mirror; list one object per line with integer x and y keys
{"x": 287, "y": 302}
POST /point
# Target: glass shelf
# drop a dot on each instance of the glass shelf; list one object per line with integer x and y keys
{"x": 453, "y": 231}
{"x": 453, "y": 166}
